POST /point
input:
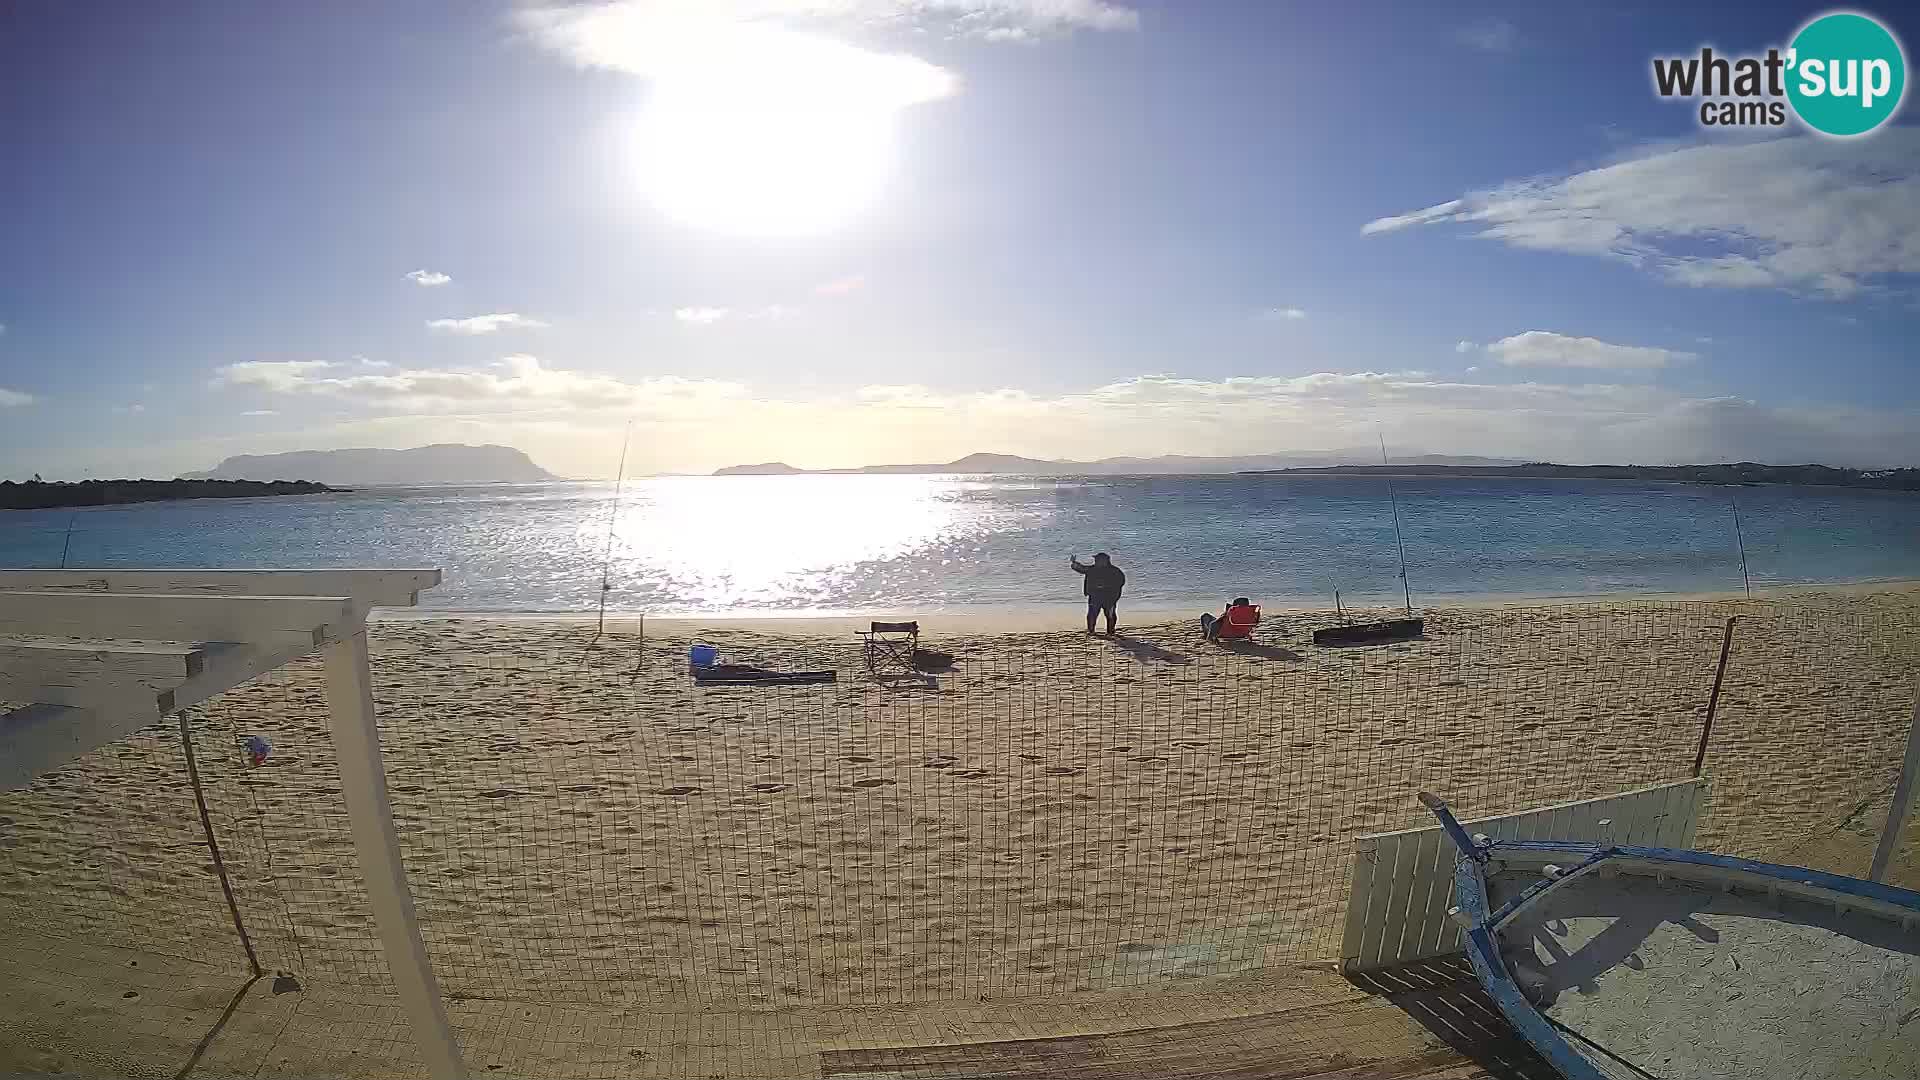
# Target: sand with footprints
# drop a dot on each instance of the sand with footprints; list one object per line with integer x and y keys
{"x": 582, "y": 823}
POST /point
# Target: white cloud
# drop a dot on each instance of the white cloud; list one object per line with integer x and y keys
{"x": 428, "y": 277}
{"x": 261, "y": 412}
{"x": 1543, "y": 348}
{"x": 1489, "y": 35}
{"x": 1283, "y": 314}
{"x": 1022, "y": 20}
{"x": 741, "y": 49}
{"x": 841, "y": 286}
{"x": 1580, "y": 423}
{"x": 1041, "y": 15}
{"x": 568, "y": 419}
{"x": 129, "y": 410}
{"x": 516, "y": 382}
{"x": 1800, "y": 213}
{"x": 707, "y": 316}
{"x": 1463, "y": 346}
{"x": 1443, "y": 212}
{"x": 485, "y": 324}
{"x": 1731, "y": 428}
{"x": 14, "y": 398}
{"x": 267, "y": 374}
{"x": 640, "y": 35}
{"x": 3, "y": 328}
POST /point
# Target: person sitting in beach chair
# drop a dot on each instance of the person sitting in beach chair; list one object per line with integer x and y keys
{"x": 1234, "y": 624}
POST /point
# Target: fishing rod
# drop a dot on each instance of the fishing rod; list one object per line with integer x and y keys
{"x": 68, "y": 542}
{"x": 1406, "y": 591}
{"x": 1741, "y": 538}
{"x": 613, "y": 514}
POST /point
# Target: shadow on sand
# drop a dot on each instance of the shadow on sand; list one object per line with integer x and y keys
{"x": 1147, "y": 651}
{"x": 1445, "y": 998}
{"x": 1254, "y": 648}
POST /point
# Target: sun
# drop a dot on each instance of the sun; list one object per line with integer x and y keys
{"x": 762, "y": 167}
{"x": 763, "y": 131}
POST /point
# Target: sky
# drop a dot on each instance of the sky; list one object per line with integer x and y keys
{"x": 835, "y": 232}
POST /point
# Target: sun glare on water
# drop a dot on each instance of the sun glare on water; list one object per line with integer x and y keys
{"x": 791, "y": 543}
{"x": 757, "y": 130}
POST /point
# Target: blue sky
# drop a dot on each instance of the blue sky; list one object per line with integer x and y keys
{"x": 886, "y": 230}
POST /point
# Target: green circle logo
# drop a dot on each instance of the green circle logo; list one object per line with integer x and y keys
{"x": 1847, "y": 74}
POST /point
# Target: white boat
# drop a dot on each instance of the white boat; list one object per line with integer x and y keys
{"x": 1634, "y": 962}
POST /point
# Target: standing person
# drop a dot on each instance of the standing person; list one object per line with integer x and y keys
{"x": 1102, "y": 584}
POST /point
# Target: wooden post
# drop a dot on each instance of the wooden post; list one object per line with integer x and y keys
{"x": 363, "y": 778}
{"x": 1903, "y": 793}
{"x": 1713, "y": 700}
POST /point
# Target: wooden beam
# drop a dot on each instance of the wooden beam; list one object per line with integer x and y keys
{"x": 69, "y": 659}
{"x": 66, "y": 721}
{"x": 372, "y": 588}
{"x": 277, "y": 622}
{"x": 106, "y": 696}
{"x": 40, "y": 738}
{"x": 212, "y": 668}
{"x": 363, "y": 781}
{"x": 227, "y": 668}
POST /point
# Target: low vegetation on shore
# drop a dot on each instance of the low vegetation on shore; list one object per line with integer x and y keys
{"x": 42, "y": 495}
{"x": 1745, "y": 472}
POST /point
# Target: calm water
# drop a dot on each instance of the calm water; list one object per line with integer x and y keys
{"x": 858, "y": 543}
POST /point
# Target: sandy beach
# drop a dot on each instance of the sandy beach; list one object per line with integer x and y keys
{"x": 1055, "y": 814}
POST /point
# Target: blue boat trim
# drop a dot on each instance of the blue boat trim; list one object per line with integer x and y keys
{"x": 1871, "y": 890}
{"x": 1484, "y": 954}
{"x": 1452, "y": 828}
{"x": 1539, "y": 889}
{"x": 1483, "y": 950}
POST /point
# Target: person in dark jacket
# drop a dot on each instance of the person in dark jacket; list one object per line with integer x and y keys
{"x": 1102, "y": 584}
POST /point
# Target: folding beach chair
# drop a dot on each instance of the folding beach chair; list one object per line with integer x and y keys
{"x": 890, "y": 647}
{"x": 1239, "y": 623}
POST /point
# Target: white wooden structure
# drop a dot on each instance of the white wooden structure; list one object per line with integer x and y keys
{"x": 1403, "y": 881}
{"x": 87, "y": 656}
{"x": 1905, "y": 791}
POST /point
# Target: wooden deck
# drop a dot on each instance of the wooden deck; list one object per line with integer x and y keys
{"x": 1413, "y": 1023}
{"x": 103, "y": 1010}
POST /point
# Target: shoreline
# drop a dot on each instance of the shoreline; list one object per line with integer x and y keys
{"x": 1033, "y": 618}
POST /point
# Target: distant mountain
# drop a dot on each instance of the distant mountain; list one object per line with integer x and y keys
{"x": 441, "y": 463}
{"x": 1741, "y": 472}
{"x": 977, "y": 463}
{"x": 1302, "y": 459}
{"x": 1168, "y": 464}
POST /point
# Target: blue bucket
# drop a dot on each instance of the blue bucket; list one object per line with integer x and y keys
{"x": 702, "y": 656}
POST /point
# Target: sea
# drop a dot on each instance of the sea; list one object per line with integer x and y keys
{"x": 819, "y": 545}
